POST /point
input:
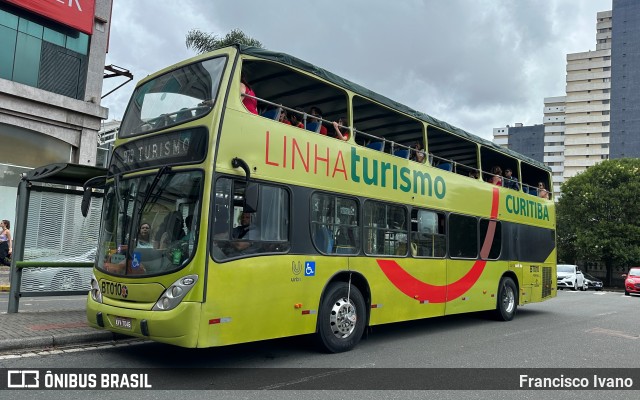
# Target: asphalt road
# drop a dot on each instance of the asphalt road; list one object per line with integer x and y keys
{"x": 575, "y": 330}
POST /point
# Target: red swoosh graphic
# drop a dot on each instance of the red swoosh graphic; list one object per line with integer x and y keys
{"x": 422, "y": 291}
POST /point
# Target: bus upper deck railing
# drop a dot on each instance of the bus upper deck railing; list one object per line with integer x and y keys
{"x": 383, "y": 144}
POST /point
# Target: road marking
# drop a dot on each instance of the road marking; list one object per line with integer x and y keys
{"x": 607, "y": 313}
{"x": 610, "y": 332}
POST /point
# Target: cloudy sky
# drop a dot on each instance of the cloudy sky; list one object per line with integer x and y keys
{"x": 477, "y": 64}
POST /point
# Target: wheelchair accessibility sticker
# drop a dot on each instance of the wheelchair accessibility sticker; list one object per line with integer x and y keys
{"x": 310, "y": 268}
{"x": 135, "y": 260}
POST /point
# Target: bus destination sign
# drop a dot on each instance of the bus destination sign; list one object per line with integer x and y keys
{"x": 186, "y": 146}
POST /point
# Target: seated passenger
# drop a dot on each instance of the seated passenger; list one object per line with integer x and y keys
{"x": 283, "y": 117}
{"x": 245, "y": 230}
{"x": 417, "y": 153}
{"x": 144, "y": 236}
{"x": 316, "y": 112}
{"x": 296, "y": 118}
{"x": 542, "y": 191}
{"x": 171, "y": 230}
{"x": 510, "y": 181}
{"x": 496, "y": 176}
{"x": 344, "y": 134}
{"x": 250, "y": 103}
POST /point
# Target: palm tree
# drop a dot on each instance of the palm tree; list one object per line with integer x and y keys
{"x": 203, "y": 42}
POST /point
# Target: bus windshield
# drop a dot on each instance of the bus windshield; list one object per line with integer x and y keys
{"x": 149, "y": 223}
{"x": 173, "y": 98}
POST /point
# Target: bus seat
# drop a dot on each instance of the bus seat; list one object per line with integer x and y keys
{"x": 273, "y": 113}
{"x": 324, "y": 239}
{"x": 525, "y": 189}
{"x": 533, "y": 191}
{"x": 402, "y": 153}
{"x": 376, "y": 146}
{"x": 313, "y": 126}
{"x": 446, "y": 166}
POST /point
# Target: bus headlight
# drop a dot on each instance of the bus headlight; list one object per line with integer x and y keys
{"x": 174, "y": 294}
{"x": 96, "y": 294}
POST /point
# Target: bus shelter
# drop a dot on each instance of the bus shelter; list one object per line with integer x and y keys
{"x": 58, "y": 190}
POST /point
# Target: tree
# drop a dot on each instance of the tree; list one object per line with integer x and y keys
{"x": 203, "y": 42}
{"x": 598, "y": 215}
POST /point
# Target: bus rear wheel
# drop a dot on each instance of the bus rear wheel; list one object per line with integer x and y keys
{"x": 341, "y": 318}
{"x": 507, "y": 304}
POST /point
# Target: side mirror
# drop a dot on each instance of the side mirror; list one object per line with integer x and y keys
{"x": 251, "y": 195}
{"x": 96, "y": 181}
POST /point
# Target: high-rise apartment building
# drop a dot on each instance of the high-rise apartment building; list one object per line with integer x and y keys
{"x": 577, "y": 125}
{"x": 588, "y": 93}
{"x": 625, "y": 79}
{"x": 554, "y": 125}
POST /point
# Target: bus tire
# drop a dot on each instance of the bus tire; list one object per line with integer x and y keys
{"x": 507, "y": 303}
{"x": 341, "y": 323}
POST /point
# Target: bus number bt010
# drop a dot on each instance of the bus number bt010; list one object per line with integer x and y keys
{"x": 114, "y": 289}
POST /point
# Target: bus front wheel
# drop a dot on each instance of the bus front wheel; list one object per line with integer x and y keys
{"x": 507, "y": 300}
{"x": 341, "y": 318}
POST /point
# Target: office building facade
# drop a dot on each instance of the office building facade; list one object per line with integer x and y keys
{"x": 625, "y": 80}
{"x": 52, "y": 56}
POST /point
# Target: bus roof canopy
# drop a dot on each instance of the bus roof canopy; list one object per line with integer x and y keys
{"x": 354, "y": 87}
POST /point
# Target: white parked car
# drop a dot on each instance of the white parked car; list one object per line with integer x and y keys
{"x": 570, "y": 276}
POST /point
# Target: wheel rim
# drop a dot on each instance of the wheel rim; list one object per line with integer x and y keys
{"x": 508, "y": 299}
{"x": 343, "y": 318}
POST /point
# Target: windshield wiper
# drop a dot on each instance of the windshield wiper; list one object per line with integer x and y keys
{"x": 153, "y": 185}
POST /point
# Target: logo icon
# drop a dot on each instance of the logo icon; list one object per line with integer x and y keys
{"x": 20, "y": 379}
{"x": 296, "y": 268}
{"x": 310, "y": 268}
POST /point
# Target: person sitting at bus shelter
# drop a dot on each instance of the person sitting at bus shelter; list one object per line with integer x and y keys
{"x": 510, "y": 181}
{"x": 250, "y": 103}
{"x": 542, "y": 191}
{"x": 316, "y": 112}
{"x": 144, "y": 236}
{"x": 496, "y": 176}
{"x": 341, "y": 134}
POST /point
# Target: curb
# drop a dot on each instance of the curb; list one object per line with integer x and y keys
{"x": 64, "y": 339}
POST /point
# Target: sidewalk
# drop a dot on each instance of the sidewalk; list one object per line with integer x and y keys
{"x": 45, "y": 329}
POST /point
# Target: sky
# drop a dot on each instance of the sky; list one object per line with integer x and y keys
{"x": 476, "y": 64}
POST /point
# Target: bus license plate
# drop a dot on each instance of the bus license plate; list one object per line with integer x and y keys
{"x": 122, "y": 322}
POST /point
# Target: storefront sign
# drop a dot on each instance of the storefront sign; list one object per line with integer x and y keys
{"x": 77, "y": 14}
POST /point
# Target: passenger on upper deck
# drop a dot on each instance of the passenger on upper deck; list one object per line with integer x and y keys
{"x": 542, "y": 191}
{"x": 510, "y": 181}
{"x": 496, "y": 176}
{"x": 417, "y": 153}
{"x": 296, "y": 118}
{"x": 316, "y": 112}
{"x": 283, "y": 117}
{"x": 342, "y": 135}
{"x": 250, "y": 103}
